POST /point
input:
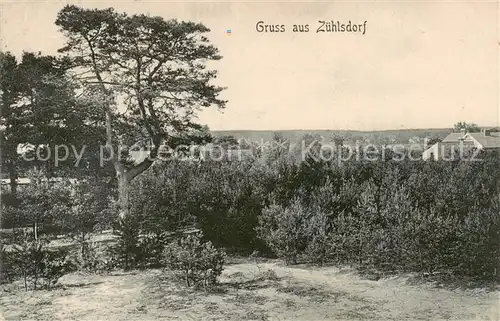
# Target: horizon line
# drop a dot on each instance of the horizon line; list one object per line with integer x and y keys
{"x": 346, "y": 130}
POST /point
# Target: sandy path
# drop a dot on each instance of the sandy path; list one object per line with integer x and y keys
{"x": 83, "y": 298}
{"x": 386, "y": 299}
{"x": 113, "y": 298}
{"x": 298, "y": 294}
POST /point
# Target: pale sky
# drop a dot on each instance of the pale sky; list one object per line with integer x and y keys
{"x": 419, "y": 65}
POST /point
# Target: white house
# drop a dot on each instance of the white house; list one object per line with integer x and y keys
{"x": 25, "y": 181}
{"x": 487, "y": 139}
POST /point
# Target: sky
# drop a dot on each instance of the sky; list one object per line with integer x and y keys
{"x": 418, "y": 65}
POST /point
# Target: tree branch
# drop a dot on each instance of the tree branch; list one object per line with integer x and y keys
{"x": 146, "y": 163}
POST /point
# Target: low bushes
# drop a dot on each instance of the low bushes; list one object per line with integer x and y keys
{"x": 126, "y": 251}
{"x": 32, "y": 260}
{"x": 137, "y": 248}
{"x": 199, "y": 262}
{"x": 390, "y": 215}
{"x": 92, "y": 257}
{"x": 293, "y": 231}
{"x": 44, "y": 212}
{"x": 477, "y": 245}
{"x": 386, "y": 231}
{"x": 6, "y": 269}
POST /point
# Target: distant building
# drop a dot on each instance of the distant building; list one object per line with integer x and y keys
{"x": 216, "y": 152}
{"x": 487, "y": 139}
{"x": 194, "y": 153}
{"x": 24, "y": 181}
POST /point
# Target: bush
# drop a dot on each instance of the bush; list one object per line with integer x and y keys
{"x": 43, "y": 203}
{"x": 34, "y": 262}
{"x": 55, "y": 263}
{"x": 136, "y": 248}
{"x": 477, "y": 247}
{"x": 294, "y": 231}
{"x": 126, "y": 252}
{"x": 159, "y": 198}
{"x": 318, "y": 247}
{"x": 425, "y": 242}
{"x": 150, "y": 250}
{"x": 88, "y": 212}
{"x": 226, "y": 198}
{"x": 389, "y": 215}
{"x": 199, "y": 262}
{"x": 6, "y": 268}
{"x": 36, "y": 204}
{"x": 93, "y": 258}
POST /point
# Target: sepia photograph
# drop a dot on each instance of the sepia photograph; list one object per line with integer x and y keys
{"x": 249, "y": 160}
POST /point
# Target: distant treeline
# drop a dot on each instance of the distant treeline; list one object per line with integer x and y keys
{"x": 383, "y": 137}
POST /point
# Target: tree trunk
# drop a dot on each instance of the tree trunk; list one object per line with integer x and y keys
{"x": 83, "y": 245}
{"x": 123, "y": 195}
{"x": 124, "y": 178}
{"x": 25, "y": 278}
{"x": 13, "y": 181}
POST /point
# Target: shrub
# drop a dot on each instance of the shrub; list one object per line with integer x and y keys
{"x": 12, "y": 216}
{"x": 345, "y": 239}
{"x": 159, "y": 198}
{"x": 150, "y": 250}
{"x": 426, "y": 241}
{"x": 54, "y": 264}
{"x": 226, "y": 199}
{"x": 268, "y": 274}
{"x": 390, "y": 215}
{"x": 6, "y": 268}
{"x": 88, "y": 212}
{"x": 42, "y": 203}
{"x": 317, "y": 249}
{"x": 36, "y": 205}
{"x": 199, "y": 262}
{"x": 477, "y": 247}
{"x": 126, "y": 252}
{"x": 93, "y": 258}
{"x": 284, "y": 230}
{"x": 136, "y": 248}
{"x": 32, "y": 260}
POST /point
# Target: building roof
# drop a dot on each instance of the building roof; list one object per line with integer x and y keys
{"x": 452, "y": 138}
{"x": 26, "y": 180}
{"x": 20, "y": 181}
{"x": 487, "y": 141}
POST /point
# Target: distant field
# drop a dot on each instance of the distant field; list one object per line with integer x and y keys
{"x": 384, "y": 136}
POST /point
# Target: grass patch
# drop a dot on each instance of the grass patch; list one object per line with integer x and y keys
{"x": 247, "y": 298}
{"x": 312, "y": 293}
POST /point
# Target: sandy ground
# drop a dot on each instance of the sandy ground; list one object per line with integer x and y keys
{"x": 248, "y": 291}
